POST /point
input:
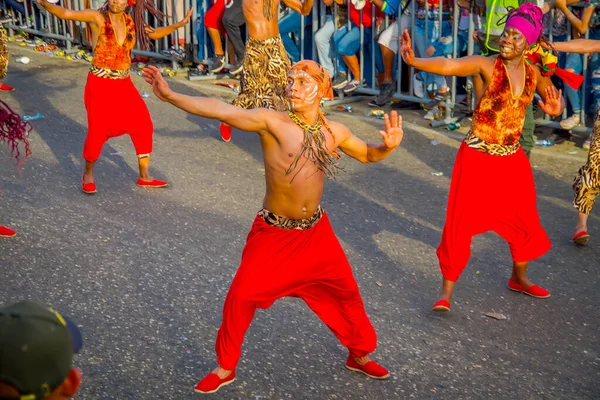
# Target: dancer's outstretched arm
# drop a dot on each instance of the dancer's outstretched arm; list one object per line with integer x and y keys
{"x": 580, "y": 46}
{"x": 87, "y": 15}
{"x": 371, "y": 152}
{"x": 158, "y": 33}
{"x": 465, "y": 66}
{"x": 255, "y": 120}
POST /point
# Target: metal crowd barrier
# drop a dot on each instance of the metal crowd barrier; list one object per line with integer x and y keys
{"x": 39, "y": 22}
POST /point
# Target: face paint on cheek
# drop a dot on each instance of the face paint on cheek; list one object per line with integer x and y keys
{"x": 312, "y": 94}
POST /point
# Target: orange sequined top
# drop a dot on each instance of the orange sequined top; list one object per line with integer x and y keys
{"x": 109, "y": 54}
{"x": 499, "y": 117}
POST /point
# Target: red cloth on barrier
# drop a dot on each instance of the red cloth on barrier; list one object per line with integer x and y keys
{"x": 309, "y": 264}
{"x": 115, "y": 107}
{"x": 490, "y": 193}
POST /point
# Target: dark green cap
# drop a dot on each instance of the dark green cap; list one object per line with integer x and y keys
{"x": 36, "y": 348}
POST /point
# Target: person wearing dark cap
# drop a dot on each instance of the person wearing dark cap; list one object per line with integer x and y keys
{"x": 492, "y": 187}
{"x": 36, "y": 353}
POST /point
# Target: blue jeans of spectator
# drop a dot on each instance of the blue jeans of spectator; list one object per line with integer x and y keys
{"x": 292, "y": 23}
{"x": 462, "y": 44}
{"x": 326, "y": 47}
{"x": 594, "y": 68}
{"x": 572, "y": 61}
{"x": 348, "y": 43}
{"x": 431, "y": 37}
{"x": 200, "y": 32}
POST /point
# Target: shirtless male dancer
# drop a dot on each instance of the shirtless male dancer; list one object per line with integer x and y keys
{"x": 266, "y": 62}
{"x": 291, "y": 249}
{"x": 114, "y": 106}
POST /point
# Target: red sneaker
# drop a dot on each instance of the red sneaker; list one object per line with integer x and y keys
{"x": 155, "y": 183}
{"x": 370, "y": 369}
{"x": 441, "y": 306}
{"x": 581, "y": 238}
{"x": 6, "y": 88}
{"x": 226, "y": 131}
{"x": 6, "y": 232}
{"x": 89, "y": 188}
{"x": 534, "y": 291}
{"x": 211, "y": 383}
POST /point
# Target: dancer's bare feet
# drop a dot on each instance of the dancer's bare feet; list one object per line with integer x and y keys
{"x": 222, "y": 372}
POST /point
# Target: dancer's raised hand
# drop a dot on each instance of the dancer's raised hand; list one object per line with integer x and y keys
{"x": 393, "y": 134}
{"x": 153, "y": 76}
{"x": 552, "y": 101}
{"x": 406, "y": 49}
{"x": 186, "y": 19}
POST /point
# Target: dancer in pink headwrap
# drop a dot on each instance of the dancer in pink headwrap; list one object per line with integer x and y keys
{"x": 492, "y": 185}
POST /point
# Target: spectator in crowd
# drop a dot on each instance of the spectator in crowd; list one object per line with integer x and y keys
{"x": 388, "y": 43}
{"x": 36, "y": 353}
{"x": 579, "y": 21}
{"x": 433, "y": 39}
{"x": 291, "y": 23}
{"x": 178, "y": 42}
{"x": 347, "y": 42}
{"x": 234, "y": 23}
{"x": 326, "y": 46}
{"x": 213, "y": 21}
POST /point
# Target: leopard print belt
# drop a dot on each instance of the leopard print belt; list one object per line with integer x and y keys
{"x": 108, "y": 73}
{"x": 490, "y": 148}
{"x": 288, "y": 223}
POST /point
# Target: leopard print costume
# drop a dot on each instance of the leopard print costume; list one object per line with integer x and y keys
{"x": 266, "y": 65}
{"x": 3, "y": 52}
{"x": 288, "y": 223}
{"x": 587, "y": 181}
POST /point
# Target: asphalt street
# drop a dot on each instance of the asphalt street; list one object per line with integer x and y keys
{"x": 144, "y": 273}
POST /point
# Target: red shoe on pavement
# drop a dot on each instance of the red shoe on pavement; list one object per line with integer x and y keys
{"x": 370, "y": 369}
{"x": 6, "y": 232}
{"x": 441, "y": 306}
{"x": 533, "y": 291}
{"x": 211, "y": 383}
{"x": 151, "y": 184}
{"x": 6, "y": 88}
{"x": 581, "y": 238}
{"x": 89, "y": 188}
{"x": 226, "y": 131}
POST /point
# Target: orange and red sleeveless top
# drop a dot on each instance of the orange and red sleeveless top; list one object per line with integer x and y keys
{"x": 499, "y": 116}
{"x": 111, "y": 58}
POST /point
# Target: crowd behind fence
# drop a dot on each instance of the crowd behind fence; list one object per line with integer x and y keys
{"x": 448, "y": 28}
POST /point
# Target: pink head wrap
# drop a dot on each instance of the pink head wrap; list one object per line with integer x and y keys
{"x": 528, "y": 20}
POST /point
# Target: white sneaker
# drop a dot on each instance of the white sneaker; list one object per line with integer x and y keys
{"x": 570, "y": 123}
{"x": 586, "y": 145}
{"x": 433, "y": 114}
{"x": 419, "y": 88}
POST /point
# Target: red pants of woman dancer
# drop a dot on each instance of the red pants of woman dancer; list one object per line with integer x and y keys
{"x": 309, "y": 264}
{"x": 490, "y": 193}
{"x": 115, "y": 107}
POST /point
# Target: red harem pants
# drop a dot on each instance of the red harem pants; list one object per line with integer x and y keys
{"x": 115, "y": 107}
{"x": 309, "y": 264}
{"x": 490, "y": 193}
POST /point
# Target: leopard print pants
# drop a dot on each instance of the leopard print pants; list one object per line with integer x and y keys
{"x": 266, "y": 65}
{"x": 587, "y": 181}
{"x": 3, "y": 52}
